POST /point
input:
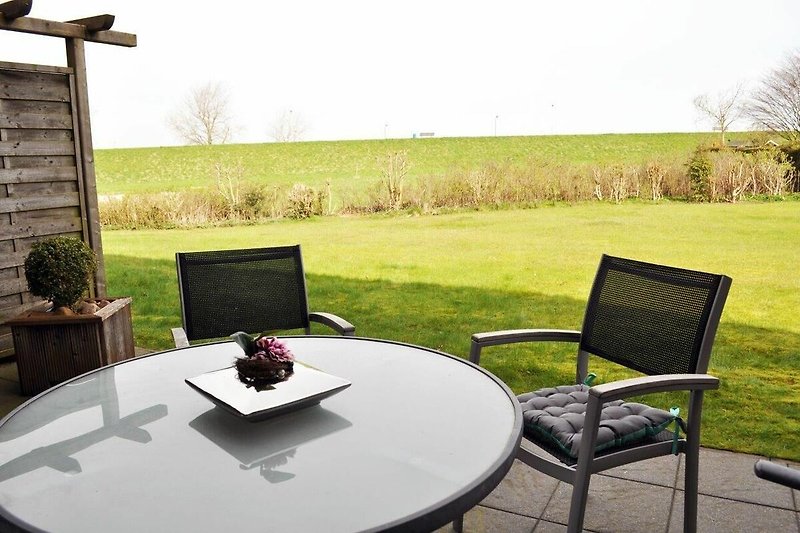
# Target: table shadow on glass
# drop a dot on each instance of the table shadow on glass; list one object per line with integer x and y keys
{"x": 270, "y": 444}
{"x": 98, "y": 390}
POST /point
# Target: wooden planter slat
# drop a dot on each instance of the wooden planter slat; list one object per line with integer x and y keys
{"x": 51, "y": 348}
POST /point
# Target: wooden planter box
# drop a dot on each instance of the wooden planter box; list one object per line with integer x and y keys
{"x": 53, "y": 348}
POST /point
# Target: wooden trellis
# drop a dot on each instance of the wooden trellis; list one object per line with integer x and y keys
{"x": 47, "y": 177}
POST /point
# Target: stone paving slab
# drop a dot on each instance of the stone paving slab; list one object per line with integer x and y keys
{"x": 661, "y": 471}
{"x": 633, "y": 499}
{"x": 10, "y": 397}
{"x": 722, "y": 515}
{"x": 523, "y": 491}
{"x": 616, "y": 505}
{"x": 487, "y": 520}
{"x": 8, "y": 372}
{"x": 795, "y": 493}
{"x": 730, "y": 475}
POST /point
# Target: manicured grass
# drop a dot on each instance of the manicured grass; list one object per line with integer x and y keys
{"x": 435, "y": 280}
{"x": 354, "y": 165}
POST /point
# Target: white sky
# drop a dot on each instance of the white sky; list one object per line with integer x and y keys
{"x": 365, "y": 69}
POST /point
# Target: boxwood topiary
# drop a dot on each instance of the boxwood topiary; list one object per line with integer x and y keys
{"x": 60, "y": 269}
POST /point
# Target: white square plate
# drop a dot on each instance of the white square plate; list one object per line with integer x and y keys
{"x": 306, "y": 387}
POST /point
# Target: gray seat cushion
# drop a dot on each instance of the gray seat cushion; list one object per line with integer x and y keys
{"x": 555, "y": 416}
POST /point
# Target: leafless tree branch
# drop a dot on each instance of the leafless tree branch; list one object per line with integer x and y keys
{"x": 775, "y": 104}
{"x": 204, "y": 116}
{"x": 288, "y": 126}
{"x": 722, "y": 110}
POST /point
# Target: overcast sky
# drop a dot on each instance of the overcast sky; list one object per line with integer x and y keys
{"x": 373, "y": 68}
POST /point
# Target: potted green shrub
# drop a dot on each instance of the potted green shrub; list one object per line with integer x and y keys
{"x": 70, "y": 334}
{"x": 60, "y": 270}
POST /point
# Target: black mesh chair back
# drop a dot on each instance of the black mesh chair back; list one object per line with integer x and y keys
{"x": 253, "y": 290}
{"x": 651, "y": 318}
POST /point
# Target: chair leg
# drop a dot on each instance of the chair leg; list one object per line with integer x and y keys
{"x": 691, "y": 454}
{"x": 583, "y": 472}
{"x": 690, "y": 491}
{"x": 458, "y": 524}
{"x": 577, "y": 506}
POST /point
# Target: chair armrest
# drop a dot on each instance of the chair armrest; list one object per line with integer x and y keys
{"x": 179, "y": 336}
{"x": 510, "y": 336}
{"x": 600, "y": 394}
{"x": 342, "y": 326}
{"x": 651, "y": 384}
{"x": 783, "y": 475}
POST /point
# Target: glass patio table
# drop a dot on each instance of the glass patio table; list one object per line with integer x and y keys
{"x": 418, "y": 438}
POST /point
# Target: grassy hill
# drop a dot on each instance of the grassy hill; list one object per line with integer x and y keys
{"x": 352, "y": 165}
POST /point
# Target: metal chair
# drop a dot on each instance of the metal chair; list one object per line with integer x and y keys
{"x": 252, "y": 290}
{"x": 659, "y": 321}
{"x": 780, "y": 474}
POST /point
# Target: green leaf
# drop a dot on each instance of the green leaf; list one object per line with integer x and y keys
{"x": 245, "y": 341}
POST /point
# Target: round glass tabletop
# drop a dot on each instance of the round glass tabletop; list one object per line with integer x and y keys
{"x": 416, "y": 439}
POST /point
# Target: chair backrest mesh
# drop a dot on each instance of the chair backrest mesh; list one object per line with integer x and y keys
{"x": 252, "y": 290}
{"x": 653, "y": 318}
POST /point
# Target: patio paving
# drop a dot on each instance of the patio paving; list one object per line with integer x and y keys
{"x": 643, "y": 497}
{"x": 635, "y": 498}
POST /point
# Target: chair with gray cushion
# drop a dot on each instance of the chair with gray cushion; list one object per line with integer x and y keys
{"x": 656, "y": 320}
{"x": 252, "y": 290}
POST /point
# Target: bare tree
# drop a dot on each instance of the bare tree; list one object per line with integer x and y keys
{"x": 204, "y": 116}
{"x": 775, "y": 105}
{"x": 722, "y": 110}
{"x": 288, "y": 126}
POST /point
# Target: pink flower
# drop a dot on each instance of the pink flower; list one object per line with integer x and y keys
{"x": 272, "y": 348}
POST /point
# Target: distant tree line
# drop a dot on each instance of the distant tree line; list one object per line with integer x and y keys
{"x": 773, "y": 106}
{"x": 204, "y": 118}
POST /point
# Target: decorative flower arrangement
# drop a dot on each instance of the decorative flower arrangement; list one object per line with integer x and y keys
{"x": 267, "y": 360}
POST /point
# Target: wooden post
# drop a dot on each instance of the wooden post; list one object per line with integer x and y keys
{"x": 15, "y": 9}
{"x": 76, "y": 59}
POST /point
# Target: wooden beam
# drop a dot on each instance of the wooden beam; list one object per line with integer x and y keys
{"x": 84, "y": 157}
{"x": 97, "y": 23}
{"x": 66, "y": 30}
{"x": 15, "y": 8}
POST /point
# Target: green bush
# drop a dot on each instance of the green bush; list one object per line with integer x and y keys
{"x": 60, "y": 269}
{"x": 699, "y": 171}
{"x": 305, "y": 202}
{"x": 792, "y": 152}
{"x": 711, "y": 174}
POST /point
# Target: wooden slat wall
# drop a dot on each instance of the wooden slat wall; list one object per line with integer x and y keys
{"x": 40, "y": 180}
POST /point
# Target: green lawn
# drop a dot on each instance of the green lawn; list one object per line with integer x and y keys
{"x": 435, "y": 280}
{"x": 353, "y": 165}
